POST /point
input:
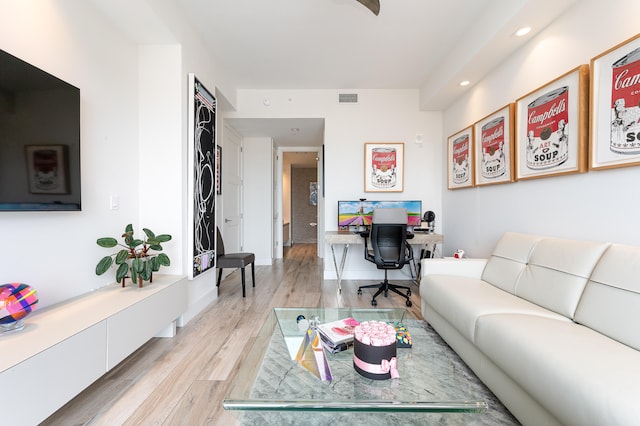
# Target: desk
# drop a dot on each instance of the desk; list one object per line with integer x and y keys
{"x": 334, "y": 238}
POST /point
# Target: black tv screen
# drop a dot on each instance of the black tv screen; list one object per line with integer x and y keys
{"x": 39, "y": 139}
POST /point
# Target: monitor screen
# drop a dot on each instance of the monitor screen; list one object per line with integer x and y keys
{"x": 39, "y": 139}
{"x": 360, "y": 213}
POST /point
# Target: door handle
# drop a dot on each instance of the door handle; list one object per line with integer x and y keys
{"x": 313, "y": 224}
{"x": 227, "y": 220}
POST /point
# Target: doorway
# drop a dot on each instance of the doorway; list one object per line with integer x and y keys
{"x": 304, "y": 204}
{"x": 301, "y": 196}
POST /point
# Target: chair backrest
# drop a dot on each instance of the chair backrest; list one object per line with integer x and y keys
{"x": 390, "y": 215}
{"x": 219, "y": 243}
{"x": 389, "y": 237}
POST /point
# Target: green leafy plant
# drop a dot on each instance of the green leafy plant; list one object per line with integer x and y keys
{"x": 137, "y": 257}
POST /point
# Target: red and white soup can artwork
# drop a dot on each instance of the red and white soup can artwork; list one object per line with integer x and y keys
{"x": 461, "y": 167}
{"x": 547, "y": 130}
{"x": 625, "y": 104}
{"x": 383, "y": 168}
{"x": 493, "y": 161}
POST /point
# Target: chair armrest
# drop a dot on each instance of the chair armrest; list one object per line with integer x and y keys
{"x": 471, "y": 268}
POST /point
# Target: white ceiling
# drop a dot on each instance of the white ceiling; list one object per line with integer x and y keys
{"x": 429, "y": 45}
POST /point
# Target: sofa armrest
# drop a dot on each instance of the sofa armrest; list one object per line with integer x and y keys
{"x": 471, "y": 268}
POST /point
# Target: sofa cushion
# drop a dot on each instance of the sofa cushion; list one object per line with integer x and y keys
{"x": 463, "y": 300}
{"x": 466, "y": 267}
{"x": 611, "y": 300}
{"x": 557, "y": 273}
{"x": 582, "y": 377}
{"x": 509, "y": 259}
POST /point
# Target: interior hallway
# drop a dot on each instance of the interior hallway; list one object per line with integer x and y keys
{"x": 182, "y": 381}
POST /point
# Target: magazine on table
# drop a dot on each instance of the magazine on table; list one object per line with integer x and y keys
{"x": 338, "y": 332}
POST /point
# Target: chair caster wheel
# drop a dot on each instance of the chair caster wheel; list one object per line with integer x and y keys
{"x": 359, "y": 292}
{"x": 409, "y": 304}
{"x": 374, "y": 302}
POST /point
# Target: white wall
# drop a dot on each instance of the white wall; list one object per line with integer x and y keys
{"x": 379, "y": 116}
{"x": 133, "y": 137}
{"x": 55, "y": 252}
{"x": 598, "y": 205}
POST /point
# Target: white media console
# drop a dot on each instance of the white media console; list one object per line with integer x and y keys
{"x": 66, "y": 347}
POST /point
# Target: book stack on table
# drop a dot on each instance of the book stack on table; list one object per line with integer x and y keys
{"x": 337, "y": 336}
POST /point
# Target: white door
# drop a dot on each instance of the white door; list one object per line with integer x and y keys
{"x": 231, "y": 226}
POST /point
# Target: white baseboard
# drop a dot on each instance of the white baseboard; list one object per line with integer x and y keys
{"x": 194, "y": 308}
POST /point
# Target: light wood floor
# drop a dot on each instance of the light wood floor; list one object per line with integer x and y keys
{"x": 182, "y": 381}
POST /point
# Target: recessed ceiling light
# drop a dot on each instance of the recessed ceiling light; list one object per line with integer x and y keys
{"x": 464, "y": 83}
{"x": 522, "y": 31}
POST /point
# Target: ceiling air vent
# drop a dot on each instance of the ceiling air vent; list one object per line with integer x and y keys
{"x": 348, "y": 98}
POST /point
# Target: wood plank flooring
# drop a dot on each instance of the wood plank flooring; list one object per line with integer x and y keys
{"x": 182, "y": 381}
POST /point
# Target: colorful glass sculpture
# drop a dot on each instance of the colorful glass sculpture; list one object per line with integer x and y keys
{"x": 312, "y": 357}
{"x": 16, "y": 301}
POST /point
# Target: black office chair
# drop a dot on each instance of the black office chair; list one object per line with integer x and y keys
{"x": 233, "y": 260}
{"x": 390, "y": 250}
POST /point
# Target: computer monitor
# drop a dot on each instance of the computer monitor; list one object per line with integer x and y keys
{"x": 352, "y": 215}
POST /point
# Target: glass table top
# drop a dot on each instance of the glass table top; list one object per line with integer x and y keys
{"x": 269, "y": 379}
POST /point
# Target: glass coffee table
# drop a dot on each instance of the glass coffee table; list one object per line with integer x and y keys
{"x": 269, "y": 380}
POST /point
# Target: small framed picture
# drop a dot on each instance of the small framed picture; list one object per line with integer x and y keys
{"x": 493, "y": 147}
{"x": 615, "y": 107}
{"x": 384, "y": 167}
{"x": 460, "y": 159}
{"x": 47, "y": 169}
{"x": 551, "y": 127}
{"x": 313, "y": 193}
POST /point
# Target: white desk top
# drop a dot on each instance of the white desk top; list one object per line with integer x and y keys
{"x": 341, "y": 237}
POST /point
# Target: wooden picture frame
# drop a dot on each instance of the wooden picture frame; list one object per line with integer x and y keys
{"x": 493, "y": 147}
{"x": 384, "y": 167}
{"x": 551, "y": 125}
{"x": 615, "y": 107}
{"x": 460, "y": 159}
{"x": 47, "y": 169}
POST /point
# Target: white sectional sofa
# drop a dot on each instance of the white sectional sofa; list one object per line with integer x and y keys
{"x": 551, "y": 326}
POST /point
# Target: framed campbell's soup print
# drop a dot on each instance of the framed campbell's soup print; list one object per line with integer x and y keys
{"x": 551, "y": 127}
{"x": 384, "y": 167}
{"x": 615, "y": 107}
{"x": 493, "y": 147}
{"x": 460, "y": 159}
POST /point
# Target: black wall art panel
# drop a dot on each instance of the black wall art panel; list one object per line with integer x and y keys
{"x": 202, "y": 155}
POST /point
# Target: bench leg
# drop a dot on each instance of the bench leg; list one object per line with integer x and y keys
{"x": 253, "y": 273}
{"x": 244, "y": 293}
{"x": 219, "y": 277}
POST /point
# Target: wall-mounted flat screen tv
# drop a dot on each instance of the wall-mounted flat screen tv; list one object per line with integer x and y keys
{"x": 39, "y": 139}
{"x": 360, "y": 213}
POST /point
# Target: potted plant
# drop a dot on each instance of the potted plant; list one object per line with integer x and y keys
{"x": 137, "y": 257}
